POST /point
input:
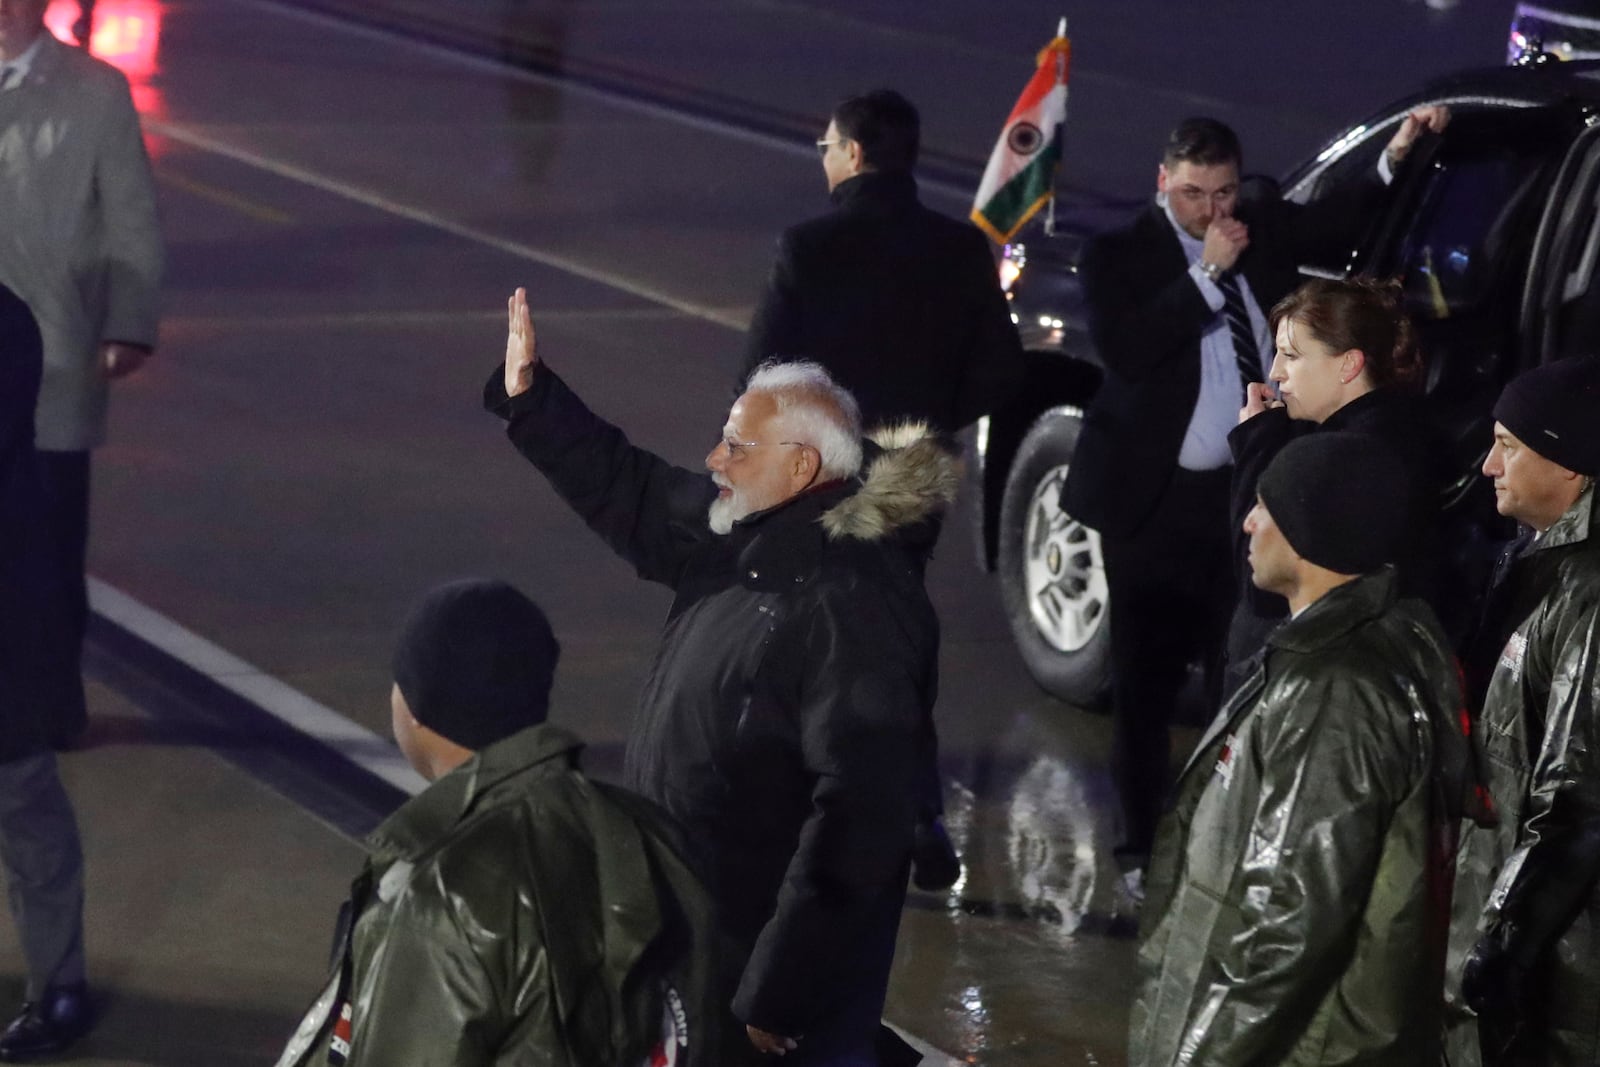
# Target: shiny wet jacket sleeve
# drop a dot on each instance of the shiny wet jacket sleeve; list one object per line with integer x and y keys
{"x": 428, "y": 1002}
{"x": 1328, "y": 788}
{"x": 1557, "y": 858}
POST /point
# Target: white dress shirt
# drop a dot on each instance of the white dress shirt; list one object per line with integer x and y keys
{"x": 1216, "y": 409}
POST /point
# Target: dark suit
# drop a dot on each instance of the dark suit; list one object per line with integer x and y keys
{"x": 1146, "y": 316}
{"x": 901, "y": 304}
{"x": 1165, "y": 531}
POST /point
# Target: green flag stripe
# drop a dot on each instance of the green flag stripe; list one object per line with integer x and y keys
{"x": 1025, "y": 189}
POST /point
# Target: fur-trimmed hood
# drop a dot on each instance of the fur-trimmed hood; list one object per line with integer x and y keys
{"x": 911, "y": 480}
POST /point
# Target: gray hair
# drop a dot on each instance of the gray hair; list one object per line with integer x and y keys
{"x": 816, "y": 410}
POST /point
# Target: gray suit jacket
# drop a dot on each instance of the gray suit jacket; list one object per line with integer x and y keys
{"x": 79, "y": 239}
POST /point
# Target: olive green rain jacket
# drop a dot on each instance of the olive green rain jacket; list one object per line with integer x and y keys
{"x": 1298, "y": 893}
{"x": 516, "y": 913}
{"x": 1529, "y": 883}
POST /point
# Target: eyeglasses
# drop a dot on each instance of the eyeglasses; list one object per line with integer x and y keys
{"x": 737, "y": 449}
{"x": 822, "y": 146}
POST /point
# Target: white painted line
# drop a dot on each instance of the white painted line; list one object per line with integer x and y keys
{"x": 374, "y": 199}
{"x": 383, "y": 319}
{"x": 952, "y": 191}
{"x": 288, "y": 705}
{"x": 931, "y": 1057}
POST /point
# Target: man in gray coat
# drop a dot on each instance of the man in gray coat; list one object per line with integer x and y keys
{"x": 79, "y": 242}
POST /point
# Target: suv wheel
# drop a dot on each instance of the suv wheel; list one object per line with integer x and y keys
{"x": 1052, "y": 574}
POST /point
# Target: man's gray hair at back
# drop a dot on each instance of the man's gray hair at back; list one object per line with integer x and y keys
{"x": 816, "y": 411}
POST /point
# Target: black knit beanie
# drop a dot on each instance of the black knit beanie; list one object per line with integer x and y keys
{"x": 475, "y": 661}
{"x": 1340, "y": 500}
{"x": 1555, "y": 410}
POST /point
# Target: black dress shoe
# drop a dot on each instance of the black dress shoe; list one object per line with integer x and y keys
{"x": 47, "y": 1026}
{"x": 934, "y": 863}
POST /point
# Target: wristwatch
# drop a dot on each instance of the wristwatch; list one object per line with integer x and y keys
{"x": 1210, "y": 270}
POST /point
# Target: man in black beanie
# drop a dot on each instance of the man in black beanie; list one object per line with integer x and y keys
{"x": 1298, "y": 890}
{"x": 513, "y": 911}
{"x": 1523, "y": 976}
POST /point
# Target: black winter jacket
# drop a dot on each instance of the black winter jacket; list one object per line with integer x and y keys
{"x": 901, "y": 304}
{"x": 783, "y": 714}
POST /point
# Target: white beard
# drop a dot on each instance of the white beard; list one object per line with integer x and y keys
{"x": 720, "y": 515}
{"x": 725, "y": 510}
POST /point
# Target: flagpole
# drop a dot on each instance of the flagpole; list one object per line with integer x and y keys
{"x": 1050, "y": 211}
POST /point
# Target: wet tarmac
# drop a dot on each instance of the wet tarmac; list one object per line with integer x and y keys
{"x": 346, "y": 211}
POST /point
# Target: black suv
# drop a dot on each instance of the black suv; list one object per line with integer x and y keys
{"x": 1494, "y": 230}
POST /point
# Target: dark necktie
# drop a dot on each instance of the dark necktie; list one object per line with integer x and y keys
{"x": 1246, "y": 354}
{"x": 7, "y": 76}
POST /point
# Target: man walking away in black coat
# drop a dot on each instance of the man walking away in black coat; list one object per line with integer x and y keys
{"x": 903, "y": 308}
{"x": 900, "y": 304}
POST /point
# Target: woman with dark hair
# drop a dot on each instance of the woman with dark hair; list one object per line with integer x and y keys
{"x": 1347, "y": 359}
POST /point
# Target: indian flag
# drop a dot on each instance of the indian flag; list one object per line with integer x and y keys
{"x": 1021, "y": 174}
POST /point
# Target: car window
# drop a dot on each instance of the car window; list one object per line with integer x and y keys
{"x": 1471, "y": 225}
{"x": 1352, "y": 158}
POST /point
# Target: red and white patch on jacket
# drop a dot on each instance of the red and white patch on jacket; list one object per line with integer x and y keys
{"x": 1224, "y": 768}
{"x": 674, "y": 1032}
{"x": 1512, "y": 655}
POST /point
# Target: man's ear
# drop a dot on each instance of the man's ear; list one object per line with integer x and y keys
{"x": 857, "y": 158}
{"x": 1161, "y": 177}
{"x": 806, "y": 463}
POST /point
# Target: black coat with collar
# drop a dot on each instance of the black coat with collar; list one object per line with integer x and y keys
{"x": 901, "y": 304}
{"x": 784, "y": 712}
{"x": 1146, "y": 318}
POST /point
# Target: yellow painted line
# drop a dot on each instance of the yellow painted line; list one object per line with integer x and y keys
{"x": 243, "y": 205}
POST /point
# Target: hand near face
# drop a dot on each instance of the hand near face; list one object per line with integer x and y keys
{"x": 1258, "y": 397}
{"x": 1226, "y": 239}
{"x": 521, "y": 350}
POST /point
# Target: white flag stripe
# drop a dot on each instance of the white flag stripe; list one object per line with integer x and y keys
{"x": 1046, "y": 116}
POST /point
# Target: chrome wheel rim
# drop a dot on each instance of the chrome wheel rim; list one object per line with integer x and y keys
{"x": 1063, "y": 570}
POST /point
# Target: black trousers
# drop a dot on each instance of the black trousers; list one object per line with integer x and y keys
{"x": 65, "y": 476}
{"x": 1171, "y": 596}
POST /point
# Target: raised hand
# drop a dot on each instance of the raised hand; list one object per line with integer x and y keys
{"x": 521, "y": 347}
